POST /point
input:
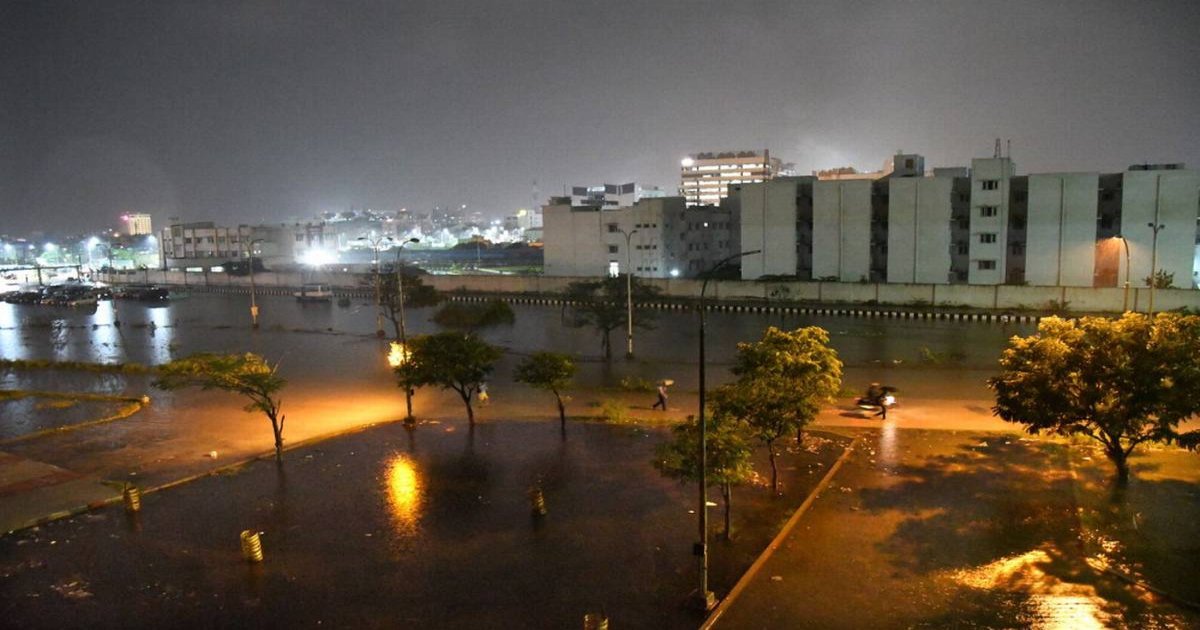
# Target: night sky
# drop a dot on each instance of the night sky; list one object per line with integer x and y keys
{"x": 253, "y": 110}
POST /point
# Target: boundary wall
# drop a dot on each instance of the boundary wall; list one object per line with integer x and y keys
{"x": 767, "y": 296}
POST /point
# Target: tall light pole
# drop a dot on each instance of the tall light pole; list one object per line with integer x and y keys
{"x": 705, "y": 596}
{"x": 403, "y": 334}
{"x": 628, "y": 294}
{"x": 375, "y": 242}
{"x": 1125, "y": 299}
{"x": 253, "y": 291}
{"x": 1154, "y": 227}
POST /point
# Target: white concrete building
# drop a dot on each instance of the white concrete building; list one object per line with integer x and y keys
{"x": 982, "y": 225}
{"x": 705, "y": 177}
{"x": 137, "y": 224}
{"x": 665, "y": 238}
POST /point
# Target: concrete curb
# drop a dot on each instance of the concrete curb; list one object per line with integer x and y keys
{"x": 135, "y": 405}
{"x": 776, "y": 542}
{"x": 734, "y": 307}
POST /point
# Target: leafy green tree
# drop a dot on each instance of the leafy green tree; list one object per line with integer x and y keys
{"x": 450, "y": 360}
{"x": 246, "y": 374}
{"x": 781, "y": 384}
{"x": 1120, "y": 382}
{"x": 726, "y": 451}
{"x": 601, "y": 304}
{"x": 549, "y": 371}
{"x": 468, "y": 316}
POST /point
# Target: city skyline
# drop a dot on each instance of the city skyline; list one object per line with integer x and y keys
{"x": 252, "y": 113}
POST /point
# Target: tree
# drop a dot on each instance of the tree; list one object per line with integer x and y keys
{"x": 1120, "y": 382}
{"x": 416, "y": 294}
{"x": 782, "y": 383}
{"x": 467, "y": 316}
{"x": 601, "y": 304}
{"x": 727, "y": 455}
{"x": 247, "y": 374}
{"x": 450, "y": 360}
{"x": 548, "y": 371}
{"x": 1162, "y": 279}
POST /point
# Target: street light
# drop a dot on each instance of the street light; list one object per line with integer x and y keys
{"x": 628, "y": 294}
{"x": 375, "y": 242}
{"x": 705, "y": 596}
{"x": 253, "y": 293}
{"x": 1155, "y": 227}
{"x": 408, "y": 392}
{"x": 1125, "y": 299}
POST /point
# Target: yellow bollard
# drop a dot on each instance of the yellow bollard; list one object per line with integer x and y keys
{"x": 133, "y": 499}
{"x": 595, "y": 621}
{"x": 251, "y": 546}
{"x": 537, "y": 501}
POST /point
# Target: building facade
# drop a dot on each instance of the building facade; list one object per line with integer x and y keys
{"x": 654, "y": 238}
{"x": 137, "y": 224}
{"x": 704, "y": 178}
{"x": 982, "y": 225}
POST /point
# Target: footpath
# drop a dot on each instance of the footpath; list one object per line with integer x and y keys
{"x": 954, "y": 529}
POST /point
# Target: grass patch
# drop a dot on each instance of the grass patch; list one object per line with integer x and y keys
{"x": 75, "y": 366}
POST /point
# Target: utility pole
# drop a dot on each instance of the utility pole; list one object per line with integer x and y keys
{"x": 628, "y": 294}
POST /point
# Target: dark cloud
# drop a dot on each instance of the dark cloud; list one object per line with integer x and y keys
{"x": 244, "y": 111}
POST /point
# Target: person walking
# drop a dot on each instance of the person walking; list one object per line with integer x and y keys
{"x": 662, "y": 396}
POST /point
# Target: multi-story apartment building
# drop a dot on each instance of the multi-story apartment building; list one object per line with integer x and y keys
{"x": 205, "y": 245}
{"x": 982, "y": 225}
{"x": 705, "y": 177}
{"x": 137, "y": 224}
{"x": 654, "y": 238}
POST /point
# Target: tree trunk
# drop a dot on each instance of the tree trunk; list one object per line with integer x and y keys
{"x": 800, "y": 435}
{"x": 774, "y": 467}
{"x": 277, "y": 429}
{"x": 562, "y": 414}
{"x": 727, "y": 493}
{"x": 1121, "y": 460}
{"x": 470, "y": 411}
{"x": 606, "y": 345}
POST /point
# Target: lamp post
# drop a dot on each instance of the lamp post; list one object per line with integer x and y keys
{"x": 1125, "y": 299}
{"x": 403, "y": 334}
{"x": 705, "y": 596}
{"x": 375, "y": 242}
{"x": 628, "y": 294}
{"x": 253, "y": 291}
{"x": 1154, "y": 227}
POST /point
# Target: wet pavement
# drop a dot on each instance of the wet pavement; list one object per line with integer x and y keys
{"x": 428, "y": 528}
{"x": 924, "y": 528}
{"x": 947, "y": 529}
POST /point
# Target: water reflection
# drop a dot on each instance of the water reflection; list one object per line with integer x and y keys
{"x": 10, "y": 334}
{"x": 1053, "y": 603}
{"x": 162, "y": 333}
{"x": 405, "y": 494}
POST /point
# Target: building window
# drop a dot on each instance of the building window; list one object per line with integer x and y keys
{"x": 962, "y": 249}
{"x": 985, "y": 265}
{"x": 987, "y": 237}
{"x": 990, "y": 184}
{"x": 908, "y": 163}
{"x": 300, "y": 237}
{"x": 988, "y": 211}
{"x": 612, "y": 249}
{"x": 612, "y": 228}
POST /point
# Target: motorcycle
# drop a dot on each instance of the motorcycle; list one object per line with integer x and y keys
{"x": 886, "y": 399}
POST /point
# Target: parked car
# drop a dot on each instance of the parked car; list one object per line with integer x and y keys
{"x": 144, "y": 293}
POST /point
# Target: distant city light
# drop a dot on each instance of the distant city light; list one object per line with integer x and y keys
{"x": 687, "y": 161}
{"x": 674, "y": 273}
{"x": 317, "y": 257}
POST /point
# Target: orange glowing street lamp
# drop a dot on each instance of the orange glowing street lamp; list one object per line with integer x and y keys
{"x": 397, "y": 354}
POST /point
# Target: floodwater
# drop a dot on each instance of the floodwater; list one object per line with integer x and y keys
{"x": 154, "y": 334}
{"x": 423, "y": 528}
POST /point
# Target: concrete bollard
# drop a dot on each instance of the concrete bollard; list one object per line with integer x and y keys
{"x": 537, "y": 501}
{"x": 132, "y": 498}
{"x": 251, "y": 546}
